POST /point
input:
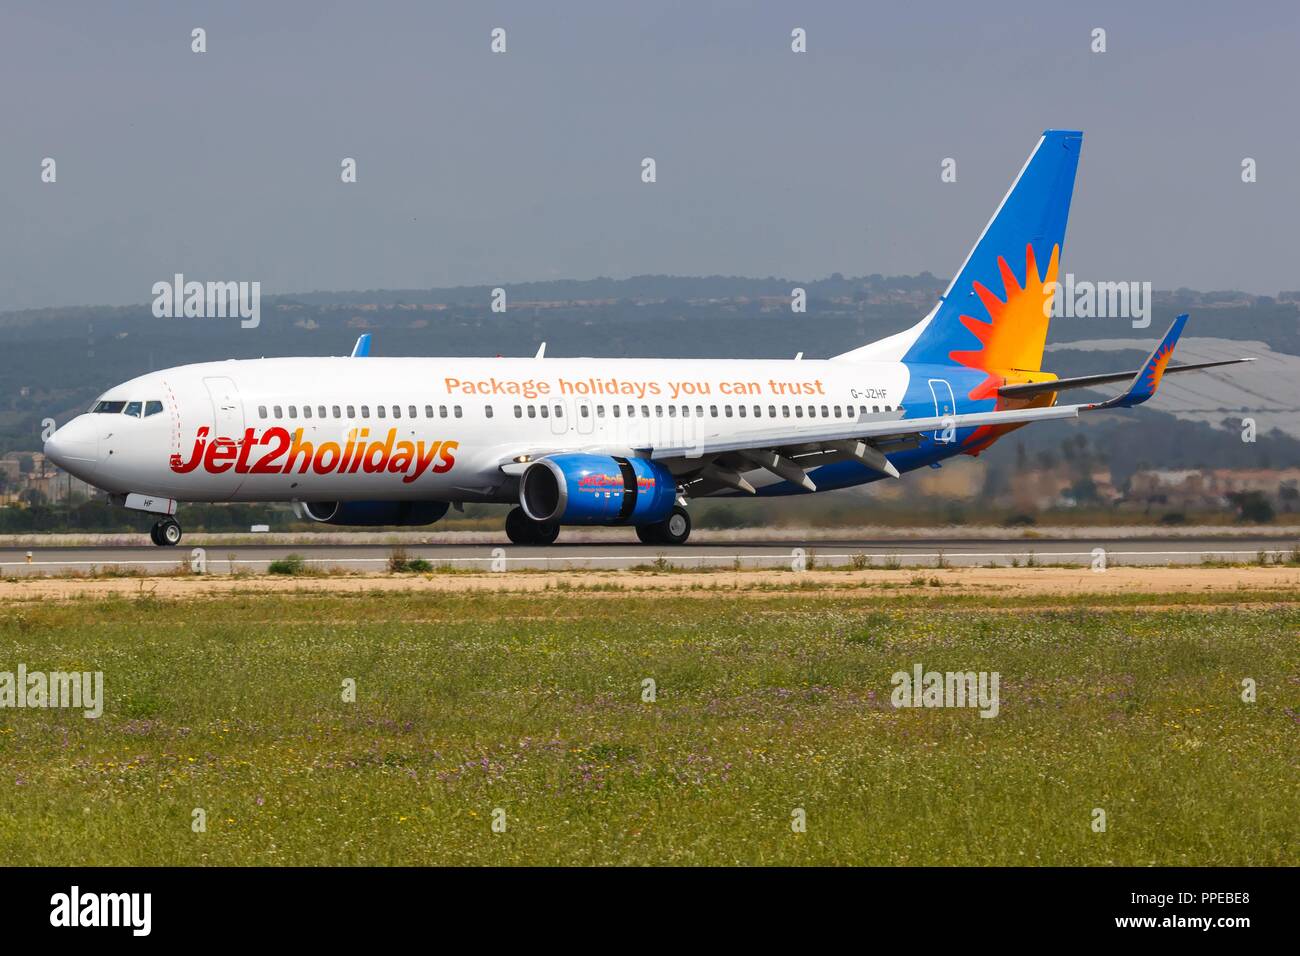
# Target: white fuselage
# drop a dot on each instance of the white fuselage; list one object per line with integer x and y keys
{"x": 326, "y": 429}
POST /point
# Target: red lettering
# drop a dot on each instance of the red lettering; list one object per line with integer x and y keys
{"x": 299, "y": 447}
{"x": 200, "y": 440}
{"x": 220, "y": 456}
{"x": 448, "y": 459}
{"x": 264, "y": 464}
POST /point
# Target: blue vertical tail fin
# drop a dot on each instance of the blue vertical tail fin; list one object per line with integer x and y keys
{"x": 994, "y": 314}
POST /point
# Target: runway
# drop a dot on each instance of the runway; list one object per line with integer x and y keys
{"x": 747, "y": 554}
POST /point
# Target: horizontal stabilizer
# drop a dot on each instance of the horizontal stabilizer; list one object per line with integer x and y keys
{"x": 1106, "y": 378}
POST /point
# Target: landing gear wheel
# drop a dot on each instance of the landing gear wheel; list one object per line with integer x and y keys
{"x": 674, "y": 529}
{"x": 650, "y": 533}
{"x": 677, "y": 528}
{"x": 521, "y": 529}
{"x": 166, "y": 533}
{"x": 546, "y": 532}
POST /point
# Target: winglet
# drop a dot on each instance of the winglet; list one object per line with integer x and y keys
{"x": 1147, "y": 380}
{"x": 362, "y": 348}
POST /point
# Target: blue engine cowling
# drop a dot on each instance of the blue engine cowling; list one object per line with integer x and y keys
{"x": 597, "y": 489}
{"x": 375, "y": 513}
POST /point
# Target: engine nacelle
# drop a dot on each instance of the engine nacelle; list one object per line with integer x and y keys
{"x": 375, "y": 513}
{"x": 597, "y": 489}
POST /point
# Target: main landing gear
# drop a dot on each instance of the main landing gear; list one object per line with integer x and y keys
{"x": 166, "y": 533}
{"x": 674, "y": 529}
{"x": 521, "y": 529}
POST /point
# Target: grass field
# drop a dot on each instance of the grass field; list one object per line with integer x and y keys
{"x": 765, "y": 703}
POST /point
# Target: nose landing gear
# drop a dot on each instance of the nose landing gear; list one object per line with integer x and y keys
{"x": 166, "y": 533}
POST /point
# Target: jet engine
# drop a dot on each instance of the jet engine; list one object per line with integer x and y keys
{"x": 597, "y": 489}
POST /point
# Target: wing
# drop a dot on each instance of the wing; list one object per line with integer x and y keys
{"x": 719, "y": 460}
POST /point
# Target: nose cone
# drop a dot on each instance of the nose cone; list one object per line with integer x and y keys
{"x": 75, "y": 447}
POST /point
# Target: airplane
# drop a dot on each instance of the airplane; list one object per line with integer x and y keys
{"x": 371, "y": 441}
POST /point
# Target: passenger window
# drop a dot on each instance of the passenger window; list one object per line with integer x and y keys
{"x": 456, "y": 411}
{"x": 487, "y": 411}
{"x": 428, "y": 411}
{"x": 320, "y": 411}
{"x": 519, "y": 411}
{"x": 659, "y": 411}
{"x": 837, "y": 411}
{"x": 133, "y": 409}
{"x": 741, "y": 409}
{"x": 785, "y": 411}
{"x": 293, "y": 411}
{"x": 279, "y": 412}
{"x": 352, "y": 411}
{"x": 798, "y": 411}
{"x": 713, "y": 411}
{"x": 306, "y": 411}
{"x": 616, "y": 410}
{"x": 758, "y": 411}
{"x": 546, "y": 412}
{"x": 365, "y": 411}
{"x": 631, "y": 411}
{"x": 584, "y": 411}
{"x": 411, "y": 412}
{"x": 686, "y": 411}
{"x": 727, "y": 410}
{"x": 261, "y": 410}
{"x": 699, "y": 411}
{"x": 559, "y": 412}
{"x": 397, "y": 411}
{"x": 532, "y": 411}
{"x": 826, "y": 412}
{"x": 442, "y": 411}
{"x": 338, "y": 412}
{"x": 888, "y": 409}
{"x": 672, "y": 411}
{"x": 771, "y": 411}
{"x": 381, "y": 412}
{"x": 645, "y": 411}
{"x": 812, "y": 411}
{"x": 600, "y": 411}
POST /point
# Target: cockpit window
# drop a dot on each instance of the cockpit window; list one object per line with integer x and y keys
{"x": 152, "y": 408}
{"x": 108, "y": 408}
{"x": 134, "y": 408}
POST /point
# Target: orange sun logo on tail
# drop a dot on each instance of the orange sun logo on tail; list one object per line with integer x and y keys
{"x": 1016, "y": 332}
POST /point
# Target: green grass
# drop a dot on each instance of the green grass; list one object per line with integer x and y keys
{"x": 766, "y": 702}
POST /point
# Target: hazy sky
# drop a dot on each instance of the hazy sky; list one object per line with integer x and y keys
{"x": 482, "y": 168}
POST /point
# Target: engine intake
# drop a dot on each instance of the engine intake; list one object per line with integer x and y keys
{"x": 597, "y": 489}
{"x": 375, "y": 513}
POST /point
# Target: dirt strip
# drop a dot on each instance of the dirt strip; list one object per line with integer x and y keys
{"x": 1003, "y": 582}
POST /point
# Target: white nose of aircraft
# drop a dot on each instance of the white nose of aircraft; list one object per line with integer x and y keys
{"x": 75, "y": 447}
